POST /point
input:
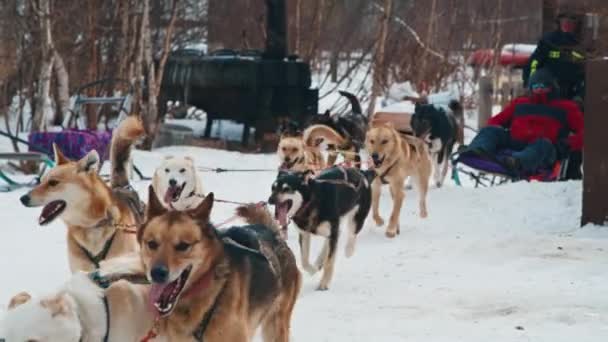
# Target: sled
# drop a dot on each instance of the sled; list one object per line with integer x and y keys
{"x": 487, "y": 171}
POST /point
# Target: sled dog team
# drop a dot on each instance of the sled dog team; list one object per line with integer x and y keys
{"x": 161, "y": 271}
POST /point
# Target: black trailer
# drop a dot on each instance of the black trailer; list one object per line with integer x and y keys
{"x": 255, "y": 88}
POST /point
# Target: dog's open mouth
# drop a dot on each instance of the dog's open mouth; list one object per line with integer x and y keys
{"x": 51, "y": 211}
{"x": 378, "y": 161}
{"x": 280, "y": 211}
{"x": 174, "y": 193}
{"x": 288, "y": 164}
{"x": 163, "y": 297}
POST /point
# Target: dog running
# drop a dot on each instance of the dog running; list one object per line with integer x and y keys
{"x": 394, "y": 158}
{"x": 295, "y": 155}
{"x": 93, "y": 211}
{"x": 317, "y": 206}
{"x": 440, "y": 129}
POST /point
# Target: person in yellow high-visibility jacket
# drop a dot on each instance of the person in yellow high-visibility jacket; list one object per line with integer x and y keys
{"x": 559, "y": 51}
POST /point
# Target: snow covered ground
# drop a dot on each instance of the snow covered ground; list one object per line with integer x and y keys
{"x": 501, "y": 264}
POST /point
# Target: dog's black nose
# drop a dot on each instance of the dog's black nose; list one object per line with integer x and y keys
{"x": 287, "y": 159}
{"x": 375, "y": 156}
{"x": 25, "y": 200}
{"x": 160, "y": 274}
{"x": 172, "y": 182}
{"x": 271, "y": 200}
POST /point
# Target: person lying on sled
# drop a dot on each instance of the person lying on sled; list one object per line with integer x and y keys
{"x": 540, "y": 127}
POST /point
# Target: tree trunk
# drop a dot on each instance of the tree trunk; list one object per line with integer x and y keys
{"x": 379, "y": 65}
{"x": 150, "y": 113}
{"x": 166, "y": 48}
{"x": 298, "y": 40}
{"x": 63, "y": 88}
{"x": 91, "y": 111}
{"x": 46, "y": 67}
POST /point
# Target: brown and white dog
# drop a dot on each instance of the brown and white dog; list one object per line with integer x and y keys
{"x": 217, "y": 286}
{"x": 92, "y": 210}
{"x": 395, "y": 157}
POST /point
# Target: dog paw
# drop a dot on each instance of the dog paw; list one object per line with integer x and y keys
{"x": 322, "y": 287}
{"x": 349, "y": 251}
{"x": 310, "y": 269}
{"x": 379, "y": 221}
{"x": 391, "y": 233}
{"x": 423, "y": 214}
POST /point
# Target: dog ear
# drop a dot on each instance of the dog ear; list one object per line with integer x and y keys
{"x": 89, "y": 163}
{"x": 18, "y": 299}
{"x": 60, "y": 158}
{"x": 154, "y": 208}
{"x": 389, "y": 124}
{"x": 59, "y": 305}
{"x": 203, "y": 211}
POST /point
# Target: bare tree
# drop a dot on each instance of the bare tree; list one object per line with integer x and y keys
{"x": 379, "y": 61}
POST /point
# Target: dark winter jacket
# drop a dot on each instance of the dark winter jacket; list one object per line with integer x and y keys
{"x": 559, "y": 52}
{"x": 530, "y": 118}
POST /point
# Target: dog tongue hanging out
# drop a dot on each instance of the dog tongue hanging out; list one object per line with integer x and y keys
{"x": 177, "y": 183}
{"x": 92, "y": 209}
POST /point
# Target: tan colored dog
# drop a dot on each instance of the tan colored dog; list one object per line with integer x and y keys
{"x": 296, "y": 156}
{"x": 395, "y": 157}
{"x": 92, "y": 210}
{"x": 206, "y": 285}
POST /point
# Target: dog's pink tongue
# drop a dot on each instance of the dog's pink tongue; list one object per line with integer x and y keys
{"x": 156, "y": 291}
{"x": 169, "y": 195}
{"x": 281, "y": 214}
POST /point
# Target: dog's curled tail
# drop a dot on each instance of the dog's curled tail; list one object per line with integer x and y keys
{"x": 354, "y": 102}
{"x": 129, "y": 130}
{"x": 258, "y": 214}
{"x": 315, "y": 133}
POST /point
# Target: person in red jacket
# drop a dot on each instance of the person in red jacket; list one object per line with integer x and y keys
{"x": 540, "y": 128}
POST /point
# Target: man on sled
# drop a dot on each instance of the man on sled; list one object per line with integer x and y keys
{"x": 539, "y": 129}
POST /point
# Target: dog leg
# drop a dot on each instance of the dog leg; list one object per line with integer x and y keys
{"x": 437, "y": 170}
{"x": 328, "y": 268}
{"x": 322, "y": 255}
{"x": 423, "y": 188}
{"x": 376, "y": 189}
{"x": 353, "y": 227}
{"x": 305, "y": 253}
{"x": 444, "y": 171}
{"x": 398, "y": 195}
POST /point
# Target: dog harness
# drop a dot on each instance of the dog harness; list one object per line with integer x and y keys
{"x": 199, "y": 332}
{"x": 96, "y": 259}
{"x": 385, "y": 173}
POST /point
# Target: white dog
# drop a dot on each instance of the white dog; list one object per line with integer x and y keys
{"x": 177, "y": 183}
{"x": 77, "y": 313}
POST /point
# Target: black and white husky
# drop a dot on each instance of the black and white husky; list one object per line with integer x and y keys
{"x": 318, "y": 205}
{"x": 440, "y": 127}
